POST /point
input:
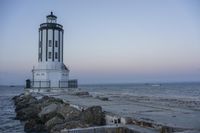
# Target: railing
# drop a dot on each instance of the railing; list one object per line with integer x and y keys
{"x": 40, "y": 84}
{"x": 63, "y": 84}
{"x": 73, "y": 83}
{"x": 51, "y": 25}
{"x": 47, "y": 84}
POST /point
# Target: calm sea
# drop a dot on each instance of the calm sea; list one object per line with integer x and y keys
{"x": 8, "y": 124}
{"x": 164, "y": 90}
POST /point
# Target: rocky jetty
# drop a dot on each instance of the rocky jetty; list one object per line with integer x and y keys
{"x": 49, "y": 114}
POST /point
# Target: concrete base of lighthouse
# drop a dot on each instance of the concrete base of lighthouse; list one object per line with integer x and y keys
{"x": 50, "y": 78}
{"x": 50, "y": 90}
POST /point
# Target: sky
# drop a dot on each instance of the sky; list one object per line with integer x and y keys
{"x": 105, "y": 41}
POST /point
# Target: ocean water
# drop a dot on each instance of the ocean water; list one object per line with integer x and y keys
{"x": 8, "y": 124}
{"x": 162, "y": 90}
{"x": 187, "y": 91}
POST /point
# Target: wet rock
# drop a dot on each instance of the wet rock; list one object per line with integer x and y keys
{"x": 23, "y": 101}
{"x": 26, "y": 107}
{"x": 34, "y": 125}
{"x": 29, "y": 112}
{"x": 93, "y": 116}
{"x": 15, "y": 98}
{"x": 102, "y": 98}
{"x": 82, "y": 93}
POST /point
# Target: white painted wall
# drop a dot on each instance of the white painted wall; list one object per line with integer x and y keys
{"x": 53, "y": 75}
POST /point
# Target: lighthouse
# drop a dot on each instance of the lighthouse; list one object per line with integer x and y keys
{"x": 50, "y": 72}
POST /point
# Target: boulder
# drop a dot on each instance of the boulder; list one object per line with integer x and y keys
{"x": 27, "y": 113}
{"x": 23, "y": 101}
{"x": 26, "y": 107}
{"x": 34, "y": 125}
{"x": 15, "y": 98}
{"x": 64, "y": 117}
{"x": 48, "y": 112}
{"x": 68, "y": 125}
{"x": 93, "y": 116}
{"x": 82, "y": 93}
{"x": 102, "y": 98}
{"x": 52, "y": 114}
{"x": 46, "y": 100}
{"x": 69, "y": 113}
{"x": 53, "y": 121}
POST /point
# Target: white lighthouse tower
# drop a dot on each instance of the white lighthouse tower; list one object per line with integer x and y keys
{"x": 51, "y": 71}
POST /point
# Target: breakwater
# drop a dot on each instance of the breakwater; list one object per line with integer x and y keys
{"x": 42, "y": 113}
{"x": 116, "y": 115}
{"x": 49, "y": 114}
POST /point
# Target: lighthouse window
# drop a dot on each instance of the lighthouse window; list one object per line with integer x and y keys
{"x": 56, "y": 44}
{"x": 49, "y": 55}
{"x": 49, "y": 43}
{"x": 40, "y": 44}
{"x": 56, "y": 55}
{"x": 40, "y": 55}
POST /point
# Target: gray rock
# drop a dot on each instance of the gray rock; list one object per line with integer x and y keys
{"x": 23, "y": 101}
{"x": 82, "y": 93}
{"x": 26, "y": 107}
{"x": 69, "y": 113}
{"x": 15, "y": 98}
{"x": 53, "y": 121}
{"x": 93, "y": 116}
{"x": 48, "y": 112}
{"x": 27, "y": 113}
{"x": 102, "y": 98}
{"x": 34, "y": 125}
{"x": 46, "y": 100}
{"x": 52, "y": 114}
{"x": 68, "y": 125}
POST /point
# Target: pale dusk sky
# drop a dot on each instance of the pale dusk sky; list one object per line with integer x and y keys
{"x": 106, "y": 41}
